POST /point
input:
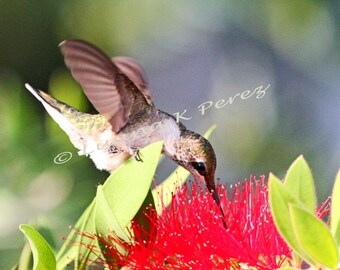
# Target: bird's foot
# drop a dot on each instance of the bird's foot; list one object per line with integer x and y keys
{"x": 137, "y": 155}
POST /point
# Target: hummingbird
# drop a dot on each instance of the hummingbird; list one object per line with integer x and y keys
{"x": 128, "y": 119}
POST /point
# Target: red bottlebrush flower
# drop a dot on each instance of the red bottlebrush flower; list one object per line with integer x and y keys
{"x": 189, "y": 234}
{"x": 249, "y": 219}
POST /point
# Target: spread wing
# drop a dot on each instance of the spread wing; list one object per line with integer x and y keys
{"x": 110, "y": 91}
{"x": 135, "y": 73}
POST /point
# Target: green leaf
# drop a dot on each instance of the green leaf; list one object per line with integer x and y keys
{"x": 279, "y": 199}
{"x": 72, "y": 249}
{"x": 16, "y": 267}
{"x": 142, "y": 219}
{"x": 337, "y": 237}
{"x": 164, "y": 192}
{"x": 299, "y": 181}
{"x": 85, "y": 242}
{"x": 127, "y": 187}
{"x": 208, "y": 133}
{"x": 25, "y": 261}
{"x": 314, "y": 237}
{"x": 124, "y": 191}
{"x": 43, "y": 256}
{"x": 105, "y": 219}
{"x": 335, "y": 214}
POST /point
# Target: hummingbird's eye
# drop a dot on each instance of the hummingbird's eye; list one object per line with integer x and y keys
{"x": 199, "y": 167}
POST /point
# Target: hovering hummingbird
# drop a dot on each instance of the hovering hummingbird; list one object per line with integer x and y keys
{"x": 128, "y": 119}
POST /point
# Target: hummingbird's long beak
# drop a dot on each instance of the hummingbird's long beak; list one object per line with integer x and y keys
{"x": 212, "y": 189}
{"x": 210, "y": 183}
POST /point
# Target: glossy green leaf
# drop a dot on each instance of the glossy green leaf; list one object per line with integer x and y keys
{"x": 105, "y": 219}
{"x": 314, "y": 237}
{"x": 106, "y": 222}
{"x": 208, "y": 133}
{"x": 142, "y": 219}
{"x": 337, "y": 237}
{"x": 25, "y": 261}
{"x": 72, "y": 251}
{"x": 164, "y": 192}
{"x": 124, "y": 191}
{"x": 85, "y": 240}
{"x": 279, "y": 199}
{"x": 335, "y": 214}
{"x": 16, "y": 267}
{"x": 299, "y": 181}
{"x": 43, "y": 256}
{"x": 127, "y": 187}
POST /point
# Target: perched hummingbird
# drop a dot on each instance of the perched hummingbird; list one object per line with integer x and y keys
{"x": 127, "y": 120}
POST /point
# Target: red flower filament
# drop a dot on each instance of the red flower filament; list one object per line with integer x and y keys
{"x": 189, "y": 234}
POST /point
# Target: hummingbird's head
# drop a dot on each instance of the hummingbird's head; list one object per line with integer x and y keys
{"x": 196, "y": 154}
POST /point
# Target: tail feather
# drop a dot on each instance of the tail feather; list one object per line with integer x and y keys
{"x": 55, "y": 109}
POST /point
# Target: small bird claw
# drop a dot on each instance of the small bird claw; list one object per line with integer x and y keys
{"x": 137, "y": 156}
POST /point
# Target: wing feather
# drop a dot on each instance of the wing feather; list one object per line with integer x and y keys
{"x": 110, "y": 91}
{"x": 135, "y": 73}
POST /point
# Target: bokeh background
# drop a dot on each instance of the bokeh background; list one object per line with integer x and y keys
{"x": 193, "y": 52}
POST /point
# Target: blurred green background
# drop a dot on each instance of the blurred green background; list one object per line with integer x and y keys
{"x": 193, "y": 52}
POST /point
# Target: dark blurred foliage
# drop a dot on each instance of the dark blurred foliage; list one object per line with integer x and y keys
{"x": 193, "y": 52}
